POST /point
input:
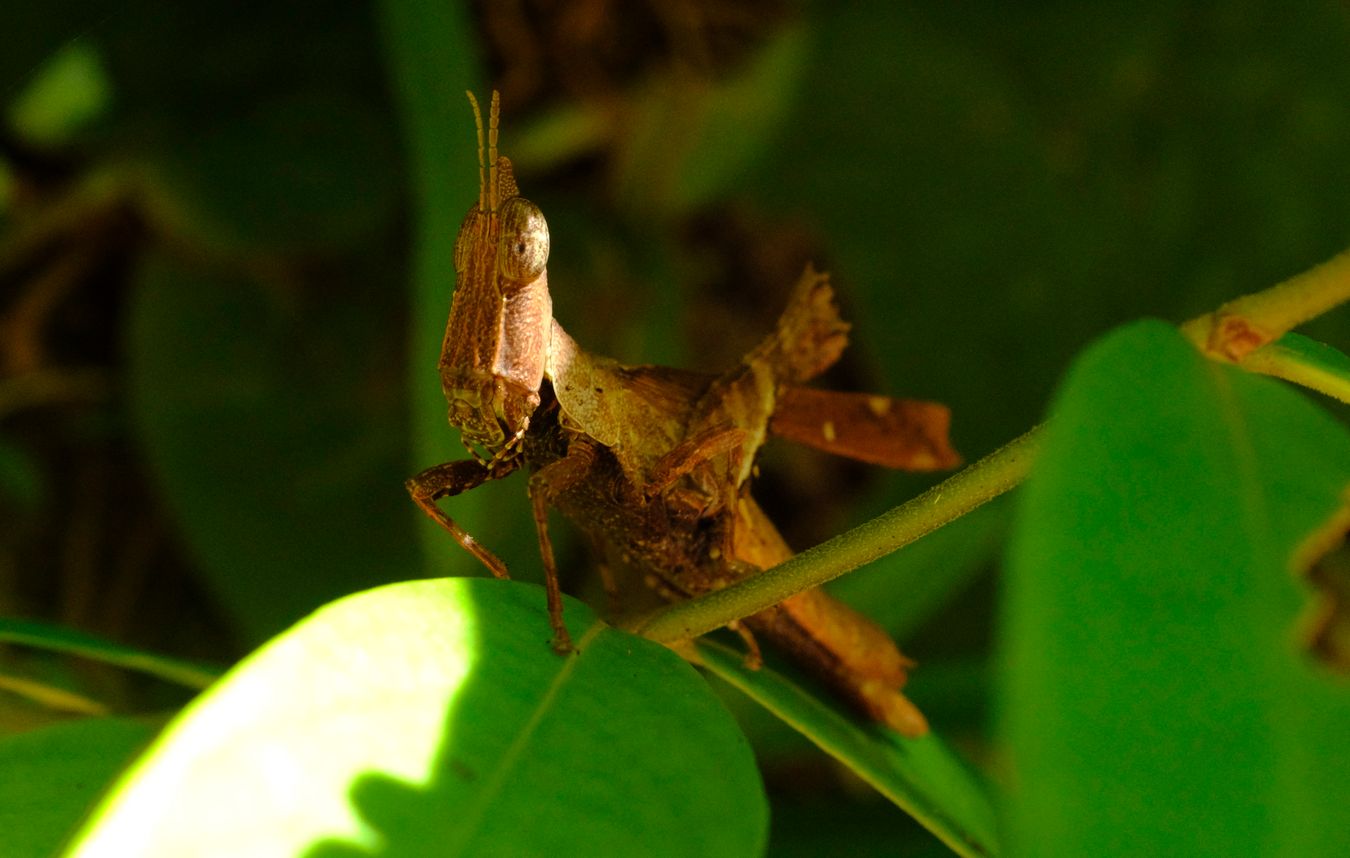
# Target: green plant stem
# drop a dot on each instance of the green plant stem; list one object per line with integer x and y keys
{"x": 1240, "y": 331}
{"x": 981, "y": 482}
{"x": 1245, "y": 324}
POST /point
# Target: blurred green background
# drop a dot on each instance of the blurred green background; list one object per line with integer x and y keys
{"x": 225, "y": 266}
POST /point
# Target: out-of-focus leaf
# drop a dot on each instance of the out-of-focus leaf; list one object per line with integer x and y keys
{"x": 922, "y": 776}
{"x": 920, "y": 163}
{"x": 178, "y": 69}
{"x": 6, "y": 192}
{"x": 434, "y": 718}
{"x": 71, "y": 90}
{"x": 996, "y": 190}
{"x": 58, "y": 639}
{"x": 1156, "y": 700}
{"x": 53, "y": 775}
{"x": 692, "y": 140}
{"x": 276, "y": 434}
{"x": 34, "y": 32}
{"x": 21, "y": 483}
{"x": 1308, "y": 362}
{"x": 1315, "y": 354}
{"x": 837, "y": 821}
{"x": 295, "y": 172}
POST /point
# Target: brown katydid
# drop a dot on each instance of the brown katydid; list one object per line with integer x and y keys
{"x": 652, "y": 463}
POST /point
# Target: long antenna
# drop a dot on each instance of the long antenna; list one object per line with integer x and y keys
{"x": 494, "y": 116}
{"x": 478, "y": 123}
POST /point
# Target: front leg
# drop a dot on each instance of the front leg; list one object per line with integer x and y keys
{"x": 547, "y": 484}
{"x": 454, "y": 478}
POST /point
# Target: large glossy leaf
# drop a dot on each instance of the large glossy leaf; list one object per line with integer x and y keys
{"x": 433, "y": 718}
{"x": 922, "y": 776}
{"x": 53, "y": 775}
{"x": 1157, "y": 699}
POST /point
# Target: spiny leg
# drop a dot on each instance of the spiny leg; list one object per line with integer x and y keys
{"x": 552, "y": 480}
{"x": 446, "y": 480}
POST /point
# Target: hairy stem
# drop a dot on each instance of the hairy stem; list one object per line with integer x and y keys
{"x": 981, "y": 482}
{"x": 1245, "y": 324}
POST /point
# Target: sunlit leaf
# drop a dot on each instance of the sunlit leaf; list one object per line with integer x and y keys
{"x": 434, "y": 718}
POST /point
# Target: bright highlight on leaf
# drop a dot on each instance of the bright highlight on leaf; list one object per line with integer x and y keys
{"x": 432, "y": 718}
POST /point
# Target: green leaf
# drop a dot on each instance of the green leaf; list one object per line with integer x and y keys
{"x": 1320, "y": 355}
{"x": 1156, "y": 701}
{"x": 434, "y": 718}
{"x": 58, "y": 639}
{"x": 1313, "y": 364}
{"x": 916, "y": 155}
{"x": 922, "y": 776}
{"x": 34, "y": 32}
{"x": 276, "y": 433}
{"x": 70, "y": 92}
{"x": 54, "y": 774}
{"x": 692, "y": 140}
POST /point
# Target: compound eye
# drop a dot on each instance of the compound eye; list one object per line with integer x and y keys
{"x": 522, "y": 249}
